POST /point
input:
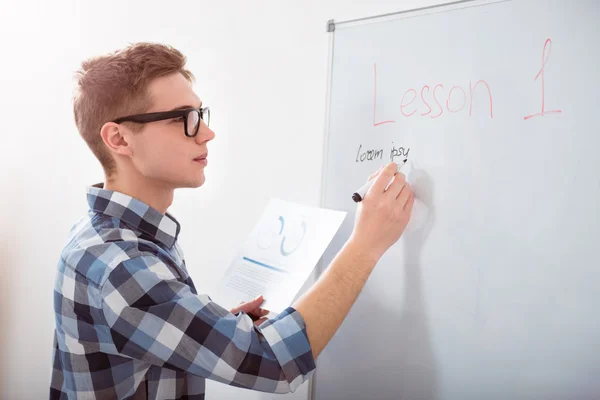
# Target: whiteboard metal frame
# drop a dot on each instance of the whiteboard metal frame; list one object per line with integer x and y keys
{"x": 417, "y": 12}
{"x": 331, "y": 28}
{"x": 320, "y": 267}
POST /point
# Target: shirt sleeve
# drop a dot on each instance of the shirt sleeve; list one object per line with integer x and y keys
{"x": 155, "y": 318}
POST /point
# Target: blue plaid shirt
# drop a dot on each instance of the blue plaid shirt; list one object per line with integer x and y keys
{"x": 130, "y": 324}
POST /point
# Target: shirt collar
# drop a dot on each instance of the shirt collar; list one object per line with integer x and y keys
{"x": 162, "y": 227}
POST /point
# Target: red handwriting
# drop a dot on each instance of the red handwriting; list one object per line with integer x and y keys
{"x": 375, "y": 102}
{"x": 425, "y": 101}
{"x": 402, "y": 105}
{"x": 408, "y": 106}
{"x": 438, "y": 95}
{"x": 489, "y": 93}
{"x": 436, "y": 100}
{"x": 547, "y": 44}
{"x": 450, "y": 97}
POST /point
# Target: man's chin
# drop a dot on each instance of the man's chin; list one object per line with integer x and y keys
{"x": 196, "y": 183}
{"x": 188, "y": 182}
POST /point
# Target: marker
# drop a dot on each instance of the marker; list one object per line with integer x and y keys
{"x": 360, "y": 193}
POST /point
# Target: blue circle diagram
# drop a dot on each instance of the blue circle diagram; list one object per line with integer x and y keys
{"x": 289, "y": 235}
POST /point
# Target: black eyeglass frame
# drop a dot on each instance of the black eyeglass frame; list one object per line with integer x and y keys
{"x": 203, "y": 113}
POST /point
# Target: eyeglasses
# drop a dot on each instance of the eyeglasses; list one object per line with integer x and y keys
{"x": 190, "y": 116}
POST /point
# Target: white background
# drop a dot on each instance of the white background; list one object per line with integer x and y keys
{"x": 260, "y": 65}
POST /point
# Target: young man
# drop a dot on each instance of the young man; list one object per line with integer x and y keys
{"x": 129, "y": 322}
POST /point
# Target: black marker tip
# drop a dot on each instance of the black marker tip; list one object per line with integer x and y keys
{"x": 356, "y": 197}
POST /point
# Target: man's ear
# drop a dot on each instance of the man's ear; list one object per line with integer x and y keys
{"x": 115, "y": 138}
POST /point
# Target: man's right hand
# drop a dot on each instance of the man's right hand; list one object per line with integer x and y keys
{"x": 383, "y": 214}
{"x": 380, "y": 221}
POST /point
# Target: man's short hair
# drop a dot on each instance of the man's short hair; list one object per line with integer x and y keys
{"x": 115, "y": 85}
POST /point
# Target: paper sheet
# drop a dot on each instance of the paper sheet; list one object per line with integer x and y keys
{"x": 279, "y": 255}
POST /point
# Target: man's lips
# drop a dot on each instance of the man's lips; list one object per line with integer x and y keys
{"x": 202, "y": 159}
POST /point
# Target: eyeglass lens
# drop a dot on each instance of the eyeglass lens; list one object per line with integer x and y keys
{"x": 193, "y": 120}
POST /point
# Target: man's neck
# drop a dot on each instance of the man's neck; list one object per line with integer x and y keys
{"x": 152, "y": 193}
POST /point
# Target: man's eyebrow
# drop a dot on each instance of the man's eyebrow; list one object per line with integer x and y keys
{"x": 184, "y": 107}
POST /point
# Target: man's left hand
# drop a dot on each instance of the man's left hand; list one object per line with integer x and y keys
{"x": 253, "y": 310}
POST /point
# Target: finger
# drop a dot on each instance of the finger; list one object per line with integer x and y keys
{"x": 409, "y": 204}
{"x": 263, "y": 312}
{"x": 259, "y": 321}
{"x": 256, "y": 302}
{"x": 258, "y": 313}
{"x": 404, "y": 195}
{"x": 249, "y": 306}
{"x": 374, "y": 174}
{"x": 383, "y": 178}
{"x": 396, "y": 186}
{"x": 253, "y": 304}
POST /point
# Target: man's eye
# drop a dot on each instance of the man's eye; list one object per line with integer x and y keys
{"x": 178, "y": 119}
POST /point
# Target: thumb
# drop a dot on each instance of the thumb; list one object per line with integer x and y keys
{"x": 249, "y": 306}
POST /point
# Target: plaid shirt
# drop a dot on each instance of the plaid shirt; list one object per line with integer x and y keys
{"x": 130, "y": 325}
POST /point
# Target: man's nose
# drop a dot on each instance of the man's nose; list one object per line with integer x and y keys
{"x": 205, "y": 134}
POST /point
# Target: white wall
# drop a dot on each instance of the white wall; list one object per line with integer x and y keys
{"x": 260, "y": 65}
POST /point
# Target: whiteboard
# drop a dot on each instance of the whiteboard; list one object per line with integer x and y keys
{"x": 497, "y": 103}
